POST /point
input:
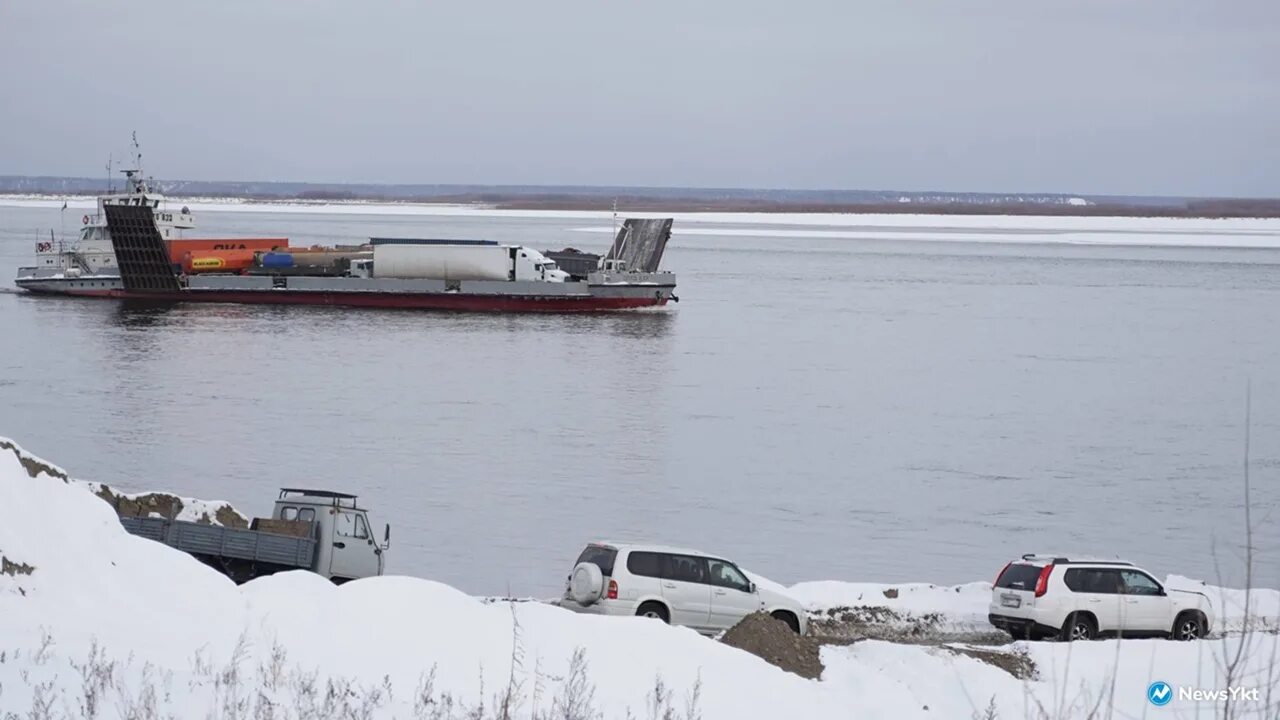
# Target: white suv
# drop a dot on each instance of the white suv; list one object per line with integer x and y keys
{"x": 680, "y": 587}
{"x": 1045, "y": 596}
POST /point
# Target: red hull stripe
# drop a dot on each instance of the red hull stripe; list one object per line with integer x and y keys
{"x": 434, "y": 301}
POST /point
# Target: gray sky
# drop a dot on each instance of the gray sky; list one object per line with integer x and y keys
{"x": 1090, "y": 96}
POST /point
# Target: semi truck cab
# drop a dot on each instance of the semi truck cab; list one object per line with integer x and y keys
{"x": 361, "y": 269}
{"x": 530, "y": 264}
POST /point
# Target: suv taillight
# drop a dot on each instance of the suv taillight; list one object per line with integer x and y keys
{"x": 613, "y": 590}
{"x": 1042, "y": 582}
{"x": 1001, "y": 574}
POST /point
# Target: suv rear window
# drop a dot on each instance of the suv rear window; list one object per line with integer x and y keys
{"x": 1093, "y": 580}
{"x": 600, "y": 556}
{"x": 645, "y": 564}
{"x": 687, "y": 568}
{"x": 1019, "y": 577}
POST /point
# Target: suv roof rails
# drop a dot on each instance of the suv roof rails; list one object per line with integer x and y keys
{"x": 1055, "y": 559}
{"x": 1059, "y": 560}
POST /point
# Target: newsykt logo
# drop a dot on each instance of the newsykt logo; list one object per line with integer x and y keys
{"x": 1159, "y": 693}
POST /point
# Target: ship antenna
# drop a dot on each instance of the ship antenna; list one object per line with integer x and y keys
{"x": 109, "y": 173}
{"x": 137, "y": 159}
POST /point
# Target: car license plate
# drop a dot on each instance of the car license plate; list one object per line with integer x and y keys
{"x": 1012, "y": 601}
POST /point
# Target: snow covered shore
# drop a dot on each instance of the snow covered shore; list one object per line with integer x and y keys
{"x": 960, "y": 612}
{"x": 96, "y": 622}
{"x": 1021, "y": 229}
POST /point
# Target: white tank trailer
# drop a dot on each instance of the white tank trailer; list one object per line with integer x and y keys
{"x": 462, "y": 261}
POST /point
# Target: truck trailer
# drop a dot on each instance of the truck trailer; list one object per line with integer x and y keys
{"x": 454, "y": 260}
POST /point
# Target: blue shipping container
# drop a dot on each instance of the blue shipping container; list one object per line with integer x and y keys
{"x": 276, "y": 259}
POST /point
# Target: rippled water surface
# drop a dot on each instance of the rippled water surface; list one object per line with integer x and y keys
{"x": 818, "y": 406}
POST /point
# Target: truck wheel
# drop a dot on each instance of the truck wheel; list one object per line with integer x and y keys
{"x": 1078, "y": 627}
{"x": 653, "y": 610}
{"x": 1188, "y": 626}
{"x": 791, "y": 620}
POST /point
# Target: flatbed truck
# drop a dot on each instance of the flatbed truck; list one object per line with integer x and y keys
{"x": 323, "y": 531}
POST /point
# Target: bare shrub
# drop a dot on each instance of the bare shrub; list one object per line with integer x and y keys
{"x": 96, "y": 677}
{"x": 576, "y": 699}
{"x": 660, "y": 702}
{"x": 989, "y": 713}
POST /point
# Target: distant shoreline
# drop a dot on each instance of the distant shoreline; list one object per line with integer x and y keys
{"x": 1205, "y": 209}
{"x": 1211, "y": 210}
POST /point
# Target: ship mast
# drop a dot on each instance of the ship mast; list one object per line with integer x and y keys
{"x": 136, "y": 183}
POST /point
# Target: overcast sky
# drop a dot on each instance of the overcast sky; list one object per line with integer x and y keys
{"x": 1090, "y": 96}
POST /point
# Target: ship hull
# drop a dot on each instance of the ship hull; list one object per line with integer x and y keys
{"x": 417, "y": 301}
{"x": 458, "y": 302}
{"x": 84, "y": 285}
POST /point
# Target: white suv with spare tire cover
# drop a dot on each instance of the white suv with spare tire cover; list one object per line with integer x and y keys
{"x": 680, "y": 587}
{"x": 1046, "y": 596}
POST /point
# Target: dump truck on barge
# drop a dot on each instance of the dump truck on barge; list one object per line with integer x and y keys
{"x": 322, "y": 531}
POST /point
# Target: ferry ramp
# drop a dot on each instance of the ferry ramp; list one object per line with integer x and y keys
{"x": 641, "y": 242}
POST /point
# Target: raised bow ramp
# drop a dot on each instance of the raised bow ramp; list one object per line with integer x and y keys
{"x": 640, "y": 243}
{"x": 141, "y": 253}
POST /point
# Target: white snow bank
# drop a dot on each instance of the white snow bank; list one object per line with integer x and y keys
{"x": 1074, "y": 680}
{"x": 88, "y": 573}
{"x": 956, "y": 610}
{"x": 186, "y": 642}
{"x": 917, "y": 598}
{"x": 1229, "y": 605}
{"x": 144, "y": 603}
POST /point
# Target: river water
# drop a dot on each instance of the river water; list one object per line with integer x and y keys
{"x": 892, "y": 402}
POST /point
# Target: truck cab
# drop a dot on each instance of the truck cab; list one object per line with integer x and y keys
{"x": 362, "y": 268}
{"x": 345, "y": 545}
{"x": 529, "y": 264}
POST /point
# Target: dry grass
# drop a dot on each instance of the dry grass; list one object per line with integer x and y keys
{"x": 276, "y": 689}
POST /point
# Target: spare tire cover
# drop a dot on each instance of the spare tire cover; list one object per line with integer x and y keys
{"x": 587, "y": 583}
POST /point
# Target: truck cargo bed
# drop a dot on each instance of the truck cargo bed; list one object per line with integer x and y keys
{"x": 223, "y": 542}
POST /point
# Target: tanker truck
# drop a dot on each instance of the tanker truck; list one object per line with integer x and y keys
{"x": 312, "y": 262}
{"x": 456, "y": 260}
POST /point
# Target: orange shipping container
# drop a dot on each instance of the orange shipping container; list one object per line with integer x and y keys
{"x": 179, "y": 248}
{"x": 216, "y": 261}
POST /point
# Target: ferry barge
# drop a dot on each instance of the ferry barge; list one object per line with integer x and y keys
{"x": 134, "y": 248}
{"x": 466, "y": 275}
